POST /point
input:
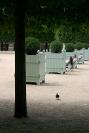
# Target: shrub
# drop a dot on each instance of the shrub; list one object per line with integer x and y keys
{"x": 70, "y": 47}
{"x": 86, "y": 45}
{"x": 32, "y": 45}
{"x": 79, "y": 45}
{"x": 56, "y": 46}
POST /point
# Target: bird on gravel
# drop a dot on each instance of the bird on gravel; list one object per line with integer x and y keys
{"x": 57, "y": 96}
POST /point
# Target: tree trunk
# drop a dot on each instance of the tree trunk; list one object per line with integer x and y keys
{"x": 1, "y": 45}
{"x": 20, "y": 73}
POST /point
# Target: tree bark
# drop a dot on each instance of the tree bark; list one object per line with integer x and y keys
{"x": 1, "y": 45}
{"x": 20, "y": 73}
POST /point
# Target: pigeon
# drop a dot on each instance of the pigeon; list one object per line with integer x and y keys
{"x": 57, "y": 96}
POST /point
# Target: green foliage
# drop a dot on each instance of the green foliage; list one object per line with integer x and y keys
{"x": 73, "y": 23}
{"x": 74, "y": 10}
{"x": 38, "y": 29}
{"x": 7, "y": 37}
{"x": 65, "y": 33}
{"x": 32, "y": 45}
{"x": 70, "y": 47}
{"x": 7, "y": 32}
{"x": 42, "y": 36}
{"x": 56, "y": 46}
{"x": 72, "y": 32}
{"x": 85, "y": 45}
{"x": 80, "y": 45}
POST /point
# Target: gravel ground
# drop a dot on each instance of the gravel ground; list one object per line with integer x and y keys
{"x": 70, "y": 114}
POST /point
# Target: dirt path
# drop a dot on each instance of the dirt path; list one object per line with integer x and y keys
{"x": 45, "y": 113}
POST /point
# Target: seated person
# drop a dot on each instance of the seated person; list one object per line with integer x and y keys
{"x": 71, "y": 62}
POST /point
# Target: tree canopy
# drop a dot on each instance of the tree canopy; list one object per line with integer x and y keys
{"x": 44, "y": 18}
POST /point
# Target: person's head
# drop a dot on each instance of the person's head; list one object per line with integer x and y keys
{"x": 71, "y": 58}
{"x": 75, "y": 56}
